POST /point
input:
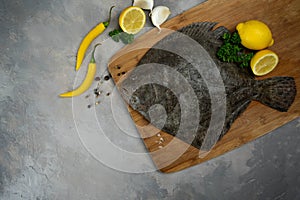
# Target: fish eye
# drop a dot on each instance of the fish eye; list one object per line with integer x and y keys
{"x": 134, "y": 99}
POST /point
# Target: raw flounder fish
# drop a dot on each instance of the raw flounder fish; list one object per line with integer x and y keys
{"x": 218, "y": 92}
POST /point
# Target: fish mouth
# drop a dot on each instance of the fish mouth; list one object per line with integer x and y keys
{"x": 125, "y": 94}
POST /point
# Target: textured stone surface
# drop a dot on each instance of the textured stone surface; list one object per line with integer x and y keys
{"x": 43, "y": 154}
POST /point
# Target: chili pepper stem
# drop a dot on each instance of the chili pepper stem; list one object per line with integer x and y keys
{"x": 93, "y": 52}
{"x": 108, "y": 21}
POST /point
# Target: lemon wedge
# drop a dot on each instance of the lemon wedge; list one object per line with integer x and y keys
{"x": 263, "y": 62}
{"x": 132, "y": 19}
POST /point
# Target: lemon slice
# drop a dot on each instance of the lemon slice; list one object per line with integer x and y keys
{"x": 132, "y": 19}
{"x": 263, "y": 62}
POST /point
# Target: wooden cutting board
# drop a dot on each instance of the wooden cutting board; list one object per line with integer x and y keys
{"x": 283, "y": 17}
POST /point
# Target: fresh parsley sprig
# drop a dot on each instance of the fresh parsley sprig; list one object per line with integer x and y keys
{"x": 233, "y": 51}
{"x": 118, "y": 35}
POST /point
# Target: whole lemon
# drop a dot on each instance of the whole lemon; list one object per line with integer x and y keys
{"x": 255, "y": 35}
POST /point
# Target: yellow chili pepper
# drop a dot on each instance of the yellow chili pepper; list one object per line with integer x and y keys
{"x": 97, "y": 30}
{"x": 88, "y": 78}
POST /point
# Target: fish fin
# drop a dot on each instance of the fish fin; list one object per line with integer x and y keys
{"x": 203, "y": 33}
{"x": 276, "y": 92}
{"x": 240, "y": 108}
{"x": 238, "y": 105}
{"x": 198, "y": 30}
{"x": 219, "y": 32}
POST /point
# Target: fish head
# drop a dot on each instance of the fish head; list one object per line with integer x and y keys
{"x": 140, "y": 98}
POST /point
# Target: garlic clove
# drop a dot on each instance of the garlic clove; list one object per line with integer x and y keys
{"x": 159, "y": 15}
{"x": 144, "y": 4}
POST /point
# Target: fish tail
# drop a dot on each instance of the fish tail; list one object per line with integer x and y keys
{"x": 276, "y": 92}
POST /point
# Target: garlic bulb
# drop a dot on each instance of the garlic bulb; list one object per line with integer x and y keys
{"x": 144, "y": 4}
{"x": 159, "y": 15}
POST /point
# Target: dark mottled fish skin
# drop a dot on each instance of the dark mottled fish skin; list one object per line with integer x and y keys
{"x": 240, "y": 86}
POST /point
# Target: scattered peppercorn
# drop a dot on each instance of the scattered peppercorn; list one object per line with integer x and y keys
{"x": 97, "y": 92}
{"x": 97, "y": 78}
{"x": 106, "y": 78}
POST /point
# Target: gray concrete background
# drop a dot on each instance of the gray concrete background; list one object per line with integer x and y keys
{"x": 42, "y": 152}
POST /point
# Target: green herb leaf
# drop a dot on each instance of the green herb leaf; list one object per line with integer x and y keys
{"x": 114, "y": 32}
{"x": 118, "y": 35}
{"x": 126, "y": 38}
{"x": 116, "y": 38}
{"x": 233, "y": 51}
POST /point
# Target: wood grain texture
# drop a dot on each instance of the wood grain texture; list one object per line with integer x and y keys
{"x": 283, "y": 17}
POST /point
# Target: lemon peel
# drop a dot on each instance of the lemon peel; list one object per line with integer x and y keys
{"x": 255, "y": 35}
